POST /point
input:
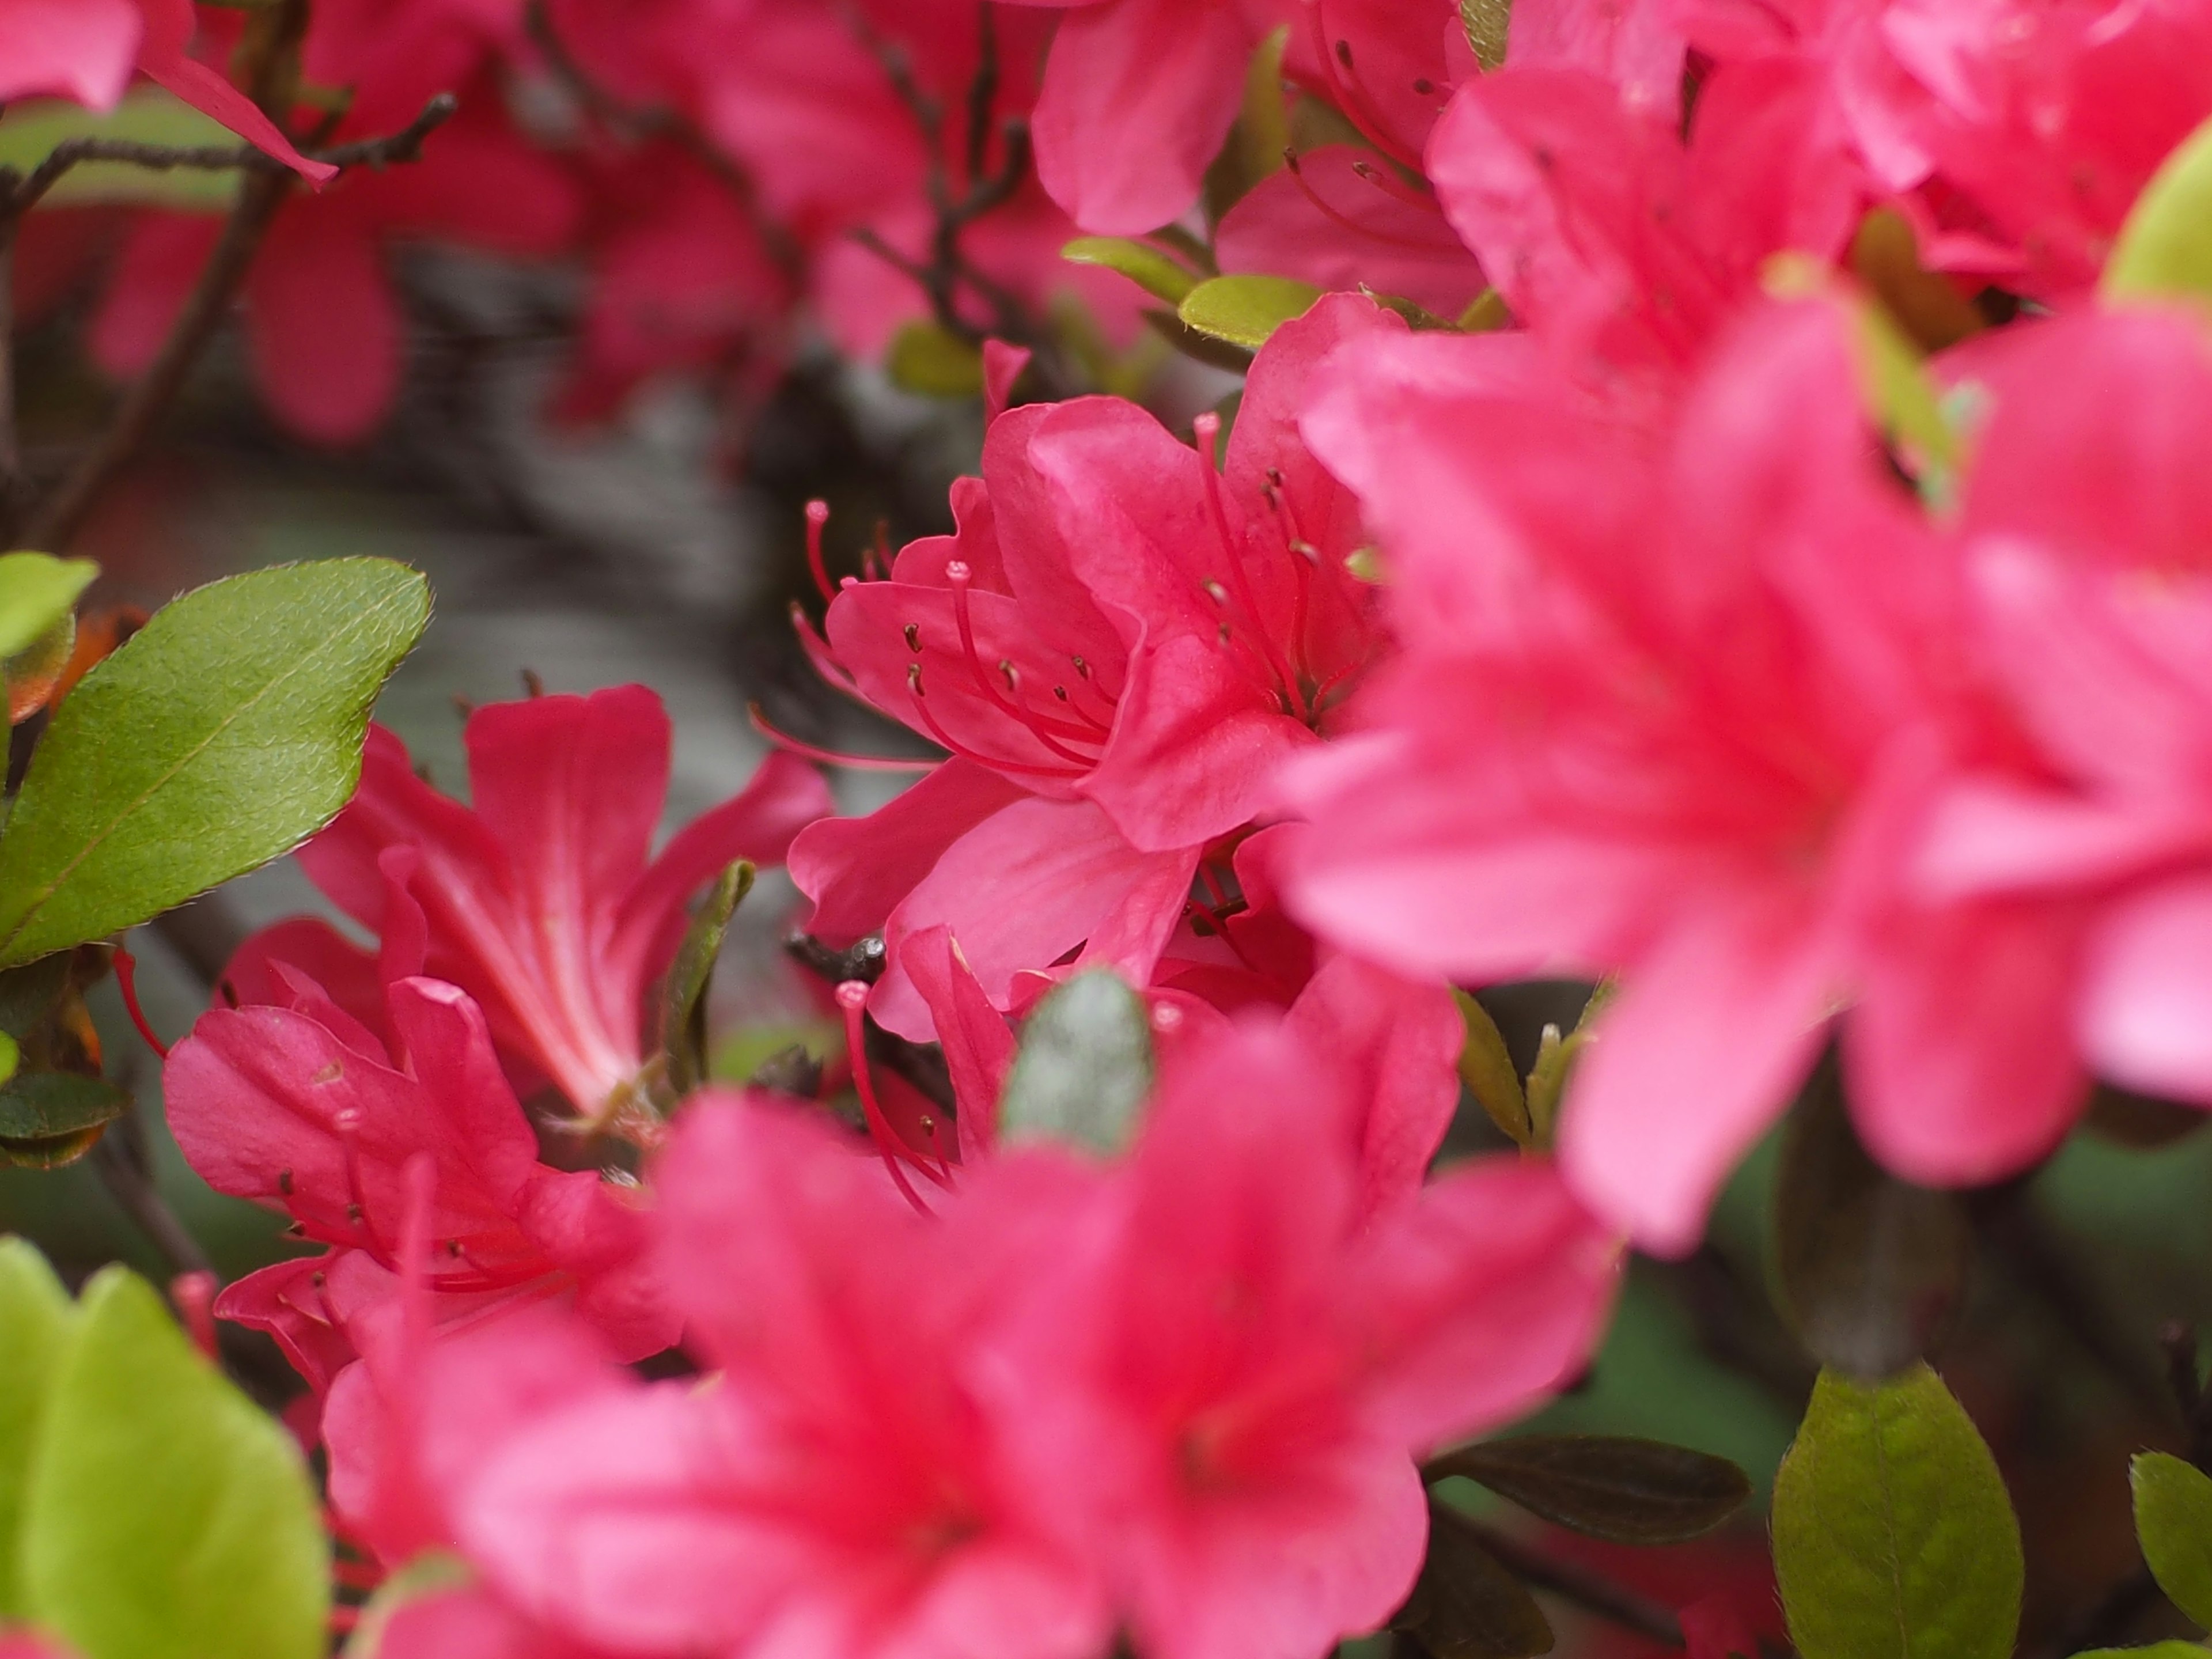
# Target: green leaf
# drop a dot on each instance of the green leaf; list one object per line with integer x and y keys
{"x": 1488, "y": 24}
{"x": 1486, "y": 1068}
{"x": 1893, "y": 1536}
{"x": 148, "y": 116}
{"x": 684, "y": 995}
{"x": 930, "y": 361}
{"x": 2173, "y": 1522}
{"x": 2155, "y": 1650}
{"x": 1199, "y": 347}
{"x": 1870, "y": 1271}
{"x": 224, "y": 733}
{"x": 1628, "y": 1490}
{"x": 1465, "y": 1605}
{"x": 35, "y": 1316}
{"x": 37, "y": 592}
{"x": 1146, "y": 266}
{"x": 1083, "y": 1068}
{"x": 1245, "y": 310}
{"x": 41, "y": 1106}
{"x": 2165, "y": 248}
{"x": 166, "y": 1516}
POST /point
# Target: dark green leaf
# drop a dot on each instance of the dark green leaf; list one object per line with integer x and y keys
{"x": 27, "y": 994}
{"x": 1487, "y": 23}
{"x": 35, "y": 1315}
{"x": 2155, "y": 1650}
{"x": 2173, "y": 1524}
{"x": 1629, "y": 1490}
{"x": 37, "y": 592}
{"x": 684, "y": 996}
{"x": 1465, "y": 1605}
{"x": 1143, "y": 264}
{"x": 54, "y": 1105}
{"x": 931, "y": 362}
{"x": 225, "y": 732}
{"x": 1245, "y": 310}
{"x": 166, "y": 1516}
{"x": 2165, "y": 248}
{"x": 1893, "y": 1536}
{"x": 1871, "y": 1271}
{"x": 1083, "y": 1068}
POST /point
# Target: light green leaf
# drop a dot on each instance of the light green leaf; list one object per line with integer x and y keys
{"x": 2165, "y": 248}
{"x": 1486, "y": 1068}
{"x": 2173, "y": 1524}
{"x": 166, "y": 1516}
{"x": 932, "y": 361}
{"x": 1083, "y": 1068}
{"x": 148, "y": 116}
{"x": 2155, "y": 1650}
{"x": 225, "y": 732}
{"x": 1148, "y": 267}
{"x": 37, "y": 592}
{"x": 1893, "y": 1536}
{"x": 684, "y": 993}
{"x": 434, "y": 1572}
{"x": 1245, "y": 310}
{"x": 35, "y": 1315}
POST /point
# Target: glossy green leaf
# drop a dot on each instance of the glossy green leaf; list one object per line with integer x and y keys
{"x": 35, "y": 1316}
{"x": 37, "y": 592}
{"x": 2165, "y": 248}
{"x": 2173, "y": 1524}
{"x": 1628, "y": 1490}
{"x": 1466, "y": 1604}
{"x": 1149, "y": 268}
{"x": 1486, "y": 1068}
{"x": 684, "y": 995}
{"x": 1488, "y": 23}
{"x": 166, "y": 1516}
{"x": 1870, "y": 1271}
{"x": 931, "y": 362}
{"x": 2155, "y": 1650}
{"x": 55, "y": 1105}
{"x": 222, "y": 735}
{"x": 1083, "y": 1068}
{"x": 1245, "y": 310}
{"x": 148, "y": 116}
{"x": 1893, "y": 1535}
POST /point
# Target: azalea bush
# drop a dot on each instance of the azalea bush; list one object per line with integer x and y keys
{"x": 1532, "y": 968}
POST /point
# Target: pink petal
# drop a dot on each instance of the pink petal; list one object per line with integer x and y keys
{"x": 2148, "y": 987}
{"x": 979, "y": 1045}
{"x": 325, "y": 332}
{"x": 78, "y": 49}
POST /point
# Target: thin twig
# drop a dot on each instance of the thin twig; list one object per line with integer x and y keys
{"x": 11, "y": 454}
{"x": 126, "y": 1170}
{"x": 1583, "y": 1586}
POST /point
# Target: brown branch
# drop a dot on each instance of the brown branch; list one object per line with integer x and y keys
{"x": 126, "y": 1167}
{"x": 1583, "y": 1586}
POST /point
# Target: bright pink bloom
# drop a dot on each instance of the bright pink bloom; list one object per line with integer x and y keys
{"x": 1117, "y": 645}
{"x": 1673, "y": 707}
{"x": 543, "y": 901}
{"x": 1230, "y": 1377}
{"x": 301, "y": 1107}
{"x": 19, "y": 1645}
{"x": 839, "y": 1488}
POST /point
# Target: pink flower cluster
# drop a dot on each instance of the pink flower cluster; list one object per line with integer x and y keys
{"x": 1648, "y": 639}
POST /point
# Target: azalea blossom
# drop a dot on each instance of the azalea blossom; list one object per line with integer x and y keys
{"x": 1117, "y": 645}
{"x": 543, "y": 900}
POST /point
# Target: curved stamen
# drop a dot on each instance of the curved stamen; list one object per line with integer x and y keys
{"x": 817, "y": 514}
{"x": 937, "y": 735}
{"x": 1351, "y": 98}
{"x": 852, "y": 998}
{"x": 961, "y": 577}
{"x": 785, "y": 741}
{"x": 1207, "y": 429}
{"x": 1344, "y": 221}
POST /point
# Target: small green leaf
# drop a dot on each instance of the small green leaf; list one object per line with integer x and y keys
{"x": 1486, "y": 1068}
{"x": 930, "y": 361}
{"x": 11, "y": 1056}
{"x": 37, "y": 592}
{"x": 2165, "y": 248}
{"x": 40, "y": 1106}
{"x": 1893, "y": 1536}
{"x": 1083, "y": 1068}
{"x": 1485, "y": 314}
{"x": 222, "y": 735}
{"x": 1465, "y": 1605}
{"x": 2155, "y": 1650}
{"x": 166, "y": 1516}
{"x": 1199, "y": 347}
{"x": 1628, "y": 1490}
{"x": 35, "y": 1316}
{"x": 684, "y": 996}
{"x": 148, "y": 116}
{"x": 1870, "y": 1271}
{"x": 2173, "y": 1524}
{"x": 1488, "y": 23}
{"x": 1245, "y": 310}
{"x": 1143, "y": 264}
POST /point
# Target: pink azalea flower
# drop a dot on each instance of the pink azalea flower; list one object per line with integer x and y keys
{"x": 87, "y": 50}
{"x": 1117, "y": 645}
{"x": 301, "y": 1107}
{"x": 544, "y": 900}
{"x": 1674, "y": 707}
